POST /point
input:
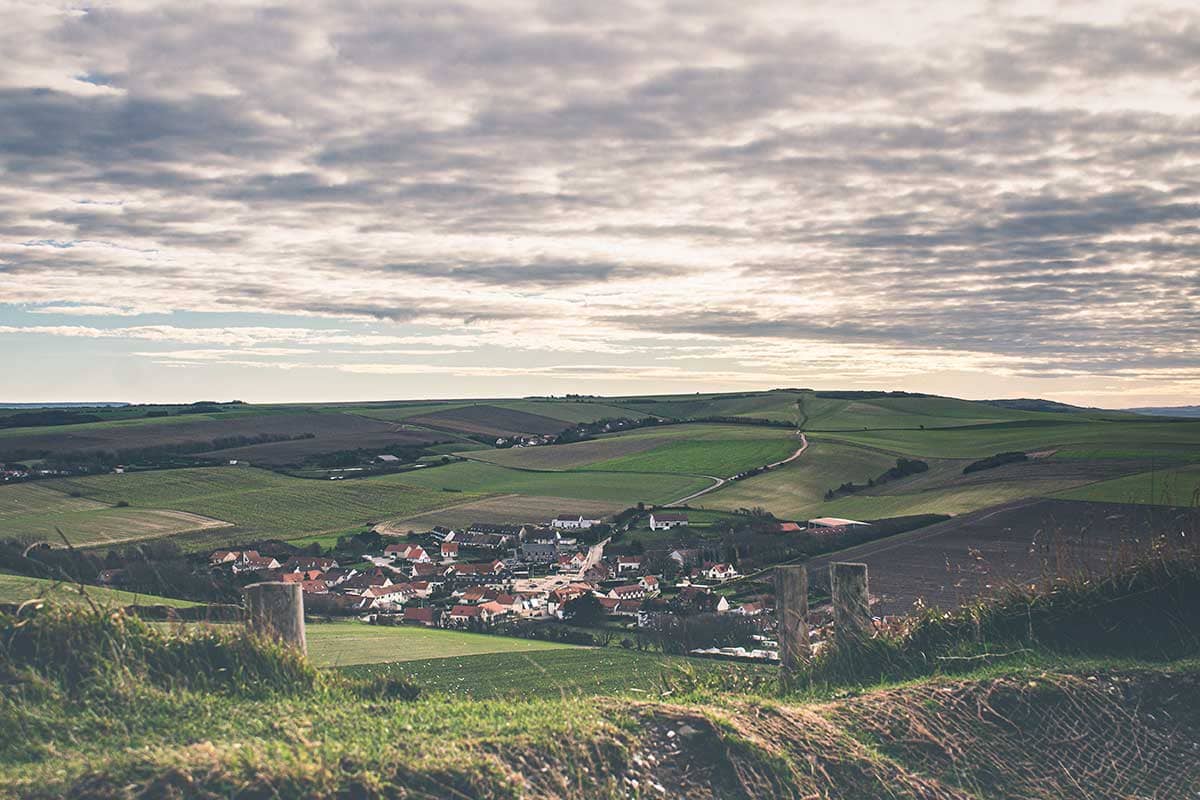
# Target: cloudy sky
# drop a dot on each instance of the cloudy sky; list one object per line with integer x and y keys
{"x": 369, "y": 200}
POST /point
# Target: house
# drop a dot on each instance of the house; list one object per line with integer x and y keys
{"x": 387, "y": 597}
{"x": 493, "y": 609}
{"x": 407, "y": 552}
{"x": 387, "y": 459}
{"x": 479, "y": 594}
{"x": 366, "y": 580}
{"x": 223, "y": 557}
{"x": 665, "y": 520}
{"x": 788, "y": 527}
{"x": 751, "y": 609}
{"x": 700, "y": 599}
{"x": 302, "y": 563}
{"x": 421, "y": 615}
{"x": 538, "y": 552}
{"x": 314, "y": 587}
{"x": 463, "y": 614}
{"x": 251, "y": 561}
{"x": 634, "y": 591}
{"x": 834, "y": 524}
{"x": 573, "y": 522}
{"x": 449, "y": 551}
{"x": 628, "y": 564}
{"x": 720, "y": 572}
{"x": 650, "y": 583}
{"x": 486, "y": 569}
{"x": 684, "y": 557}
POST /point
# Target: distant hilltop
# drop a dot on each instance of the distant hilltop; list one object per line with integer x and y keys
{"x": 1168, "y": 411}
{"x": 63, "y": 405}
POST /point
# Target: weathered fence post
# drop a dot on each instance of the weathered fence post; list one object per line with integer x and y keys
{"x": 277, "y": 610}
{"x": 851, "y": 602}
{"x": 791, "y": 608}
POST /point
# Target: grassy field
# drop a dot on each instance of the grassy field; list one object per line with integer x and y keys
{"x": 504, "y": 509}
{"x": 335, "y": 644}
{"x": 257, "y": 502}
{"x": 1098, "y": 439}
{"x": 721, "y": 458}
{"x": 1169, "y": 487}
{"x": 799, "y": 487}
{"x": 578, "y": 455}
{"x": 19, "y": 588}
{"x": 625, "y": 488}
{"x": 555, "y": 673}
{"x": 566, "y": 411}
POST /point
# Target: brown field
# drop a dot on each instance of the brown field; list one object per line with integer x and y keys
{"x": 105, "y": 525}
{"x": 294, "y": 452}
{"x": 570, "y": 456}
{"x": 985, "y": 551}
{"x": 512, "y": 509}
{"x": 331, "y": 431}
{"x": 489, "y": 421}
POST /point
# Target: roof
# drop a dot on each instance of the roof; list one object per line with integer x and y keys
{"x": 419, "y": 614}
{"x": 834, "y": 522}
{"x": 631, "y": 589}
{"x": 465, "y": 611}
{"x": 789, "y": 527}
{"x": 669, "y": 516}
{"x": 565, "y": 517}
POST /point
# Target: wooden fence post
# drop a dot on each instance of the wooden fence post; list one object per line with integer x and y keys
{"x": 791, "y": 610}
{"x": 851, "y": 602}
{"x": 277, "y": 610}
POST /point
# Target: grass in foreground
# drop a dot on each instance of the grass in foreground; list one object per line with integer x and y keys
{"x": 19, "y": 588}
{"x": 336, "y": 644}
{"x": 577, "y": 671}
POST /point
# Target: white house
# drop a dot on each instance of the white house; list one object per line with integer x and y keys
{"x": 664, "y": 520}
{"x": 628, "y": 564}
{"x": 720, "y": 572}
{"x": 573, "y": 522}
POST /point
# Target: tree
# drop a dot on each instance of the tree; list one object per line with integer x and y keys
{"x": 584, "y": 610}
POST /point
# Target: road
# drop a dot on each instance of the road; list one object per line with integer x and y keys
{"x": 719, "y": 482}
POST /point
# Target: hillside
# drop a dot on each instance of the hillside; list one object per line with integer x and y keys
{"x": 1092, "y": 689}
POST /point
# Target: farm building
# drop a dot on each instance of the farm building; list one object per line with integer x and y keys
{"x": 573, "y": 522}
{"x": 834, "y": 524}
{"x": 663, "y": 520}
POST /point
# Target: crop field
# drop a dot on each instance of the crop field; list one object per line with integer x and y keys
{"x": 1116, "y": 438}
{"x": 624, "y": 488}
{"x": 489, "y": 421}
{"x": 257, "y": 502}
{"x": 798, "y": 488}
{"x": 106, "y": 525}
{"x": 1028, "y": 541}
{"x": 505, "y": 509}
{"x": 565, "y": 411}
{"x": 555, "y": 673}
{"x": 1168, "y": 487}
{"x": 19, "y": 588}
{"x": 334, "y": 644}
{"x": 719, "y": 458}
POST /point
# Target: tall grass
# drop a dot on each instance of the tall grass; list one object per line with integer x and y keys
{"x": 82, "y": 648}
{"x": 1148, "y": 609}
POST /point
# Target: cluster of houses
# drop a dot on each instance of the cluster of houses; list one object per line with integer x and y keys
{"x": 489, "y": 573}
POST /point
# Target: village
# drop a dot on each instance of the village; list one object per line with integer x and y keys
{"x": 491, "y": 576}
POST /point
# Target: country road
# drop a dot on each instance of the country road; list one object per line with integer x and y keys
{"x": 719, "y": 482}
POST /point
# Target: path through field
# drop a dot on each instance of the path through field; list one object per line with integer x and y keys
{"x": 719, "y": 482}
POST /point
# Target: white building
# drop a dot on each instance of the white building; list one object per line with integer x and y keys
{"x": 573, "y": 522}
{"x": 664, "y": 520}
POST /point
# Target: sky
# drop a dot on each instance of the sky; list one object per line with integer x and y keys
{"x": 389, "y": 200}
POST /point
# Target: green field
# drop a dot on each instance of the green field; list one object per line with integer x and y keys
{"x": 1098, "y": 439}
{"x": 626, "y": 488}
{"x": 798, "y": 488}
{"x": 1168, "y": 487}
{"x": 721, "y": 458}
{"x": 555, "y": 673}
{"x": 259, "y": 503}
{"x": 19, "y": 588}
{"x": 338, "y": 644}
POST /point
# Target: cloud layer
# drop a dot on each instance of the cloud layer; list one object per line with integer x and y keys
{"x": 714, "y": 193}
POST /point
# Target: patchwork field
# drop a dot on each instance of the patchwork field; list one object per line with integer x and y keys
{"x": 489, "y": 420}
{"x": 19, "y": 588}
{"x": 565, "y": 411}
{"x": 504, "y": 509}
{"x": 334, "y": 644}
{"x": 578, "y": 455}
{"x": 257, "y": 502}
{"x": 982, "y": 552}
{"x": 555, "y": 673}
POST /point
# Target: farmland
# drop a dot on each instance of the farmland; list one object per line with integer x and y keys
{"x": 626, "y": 488}
{"x": 1169, "y": 487}
{"x": 334, "y": 644}
{"x": 1021, "y": 542}
{"x": 19, "y": 588}
{"x": 505, "y": 508}
{"x": 555, "y": 673}
{"x": 258, "y": 503}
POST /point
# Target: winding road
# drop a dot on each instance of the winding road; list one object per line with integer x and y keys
{"x": 719, "y": 482}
